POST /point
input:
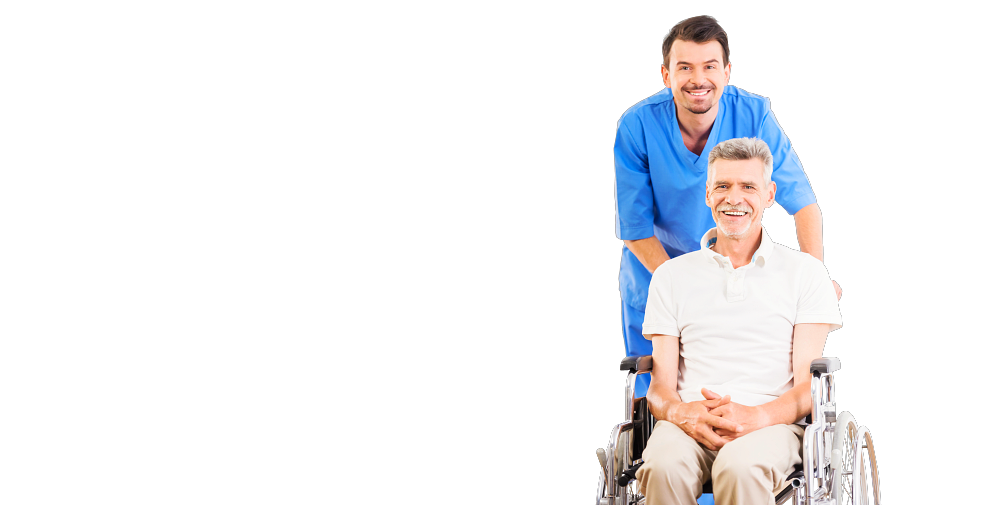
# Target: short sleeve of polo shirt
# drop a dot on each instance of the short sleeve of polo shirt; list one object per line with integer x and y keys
{"x": 660, "y": 316}
{"x": 794, "y": 191}
{"x": 817, "y": 300}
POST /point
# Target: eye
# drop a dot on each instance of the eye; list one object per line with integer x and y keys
{"x": 685, "y": 68}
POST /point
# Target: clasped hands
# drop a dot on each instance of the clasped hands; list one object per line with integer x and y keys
{"x": 716, "y": 420}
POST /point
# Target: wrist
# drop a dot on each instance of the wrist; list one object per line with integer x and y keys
{"x": 762, "y": 417}
{"x": 673, "y": 409}
{"x": 687, "y": 413}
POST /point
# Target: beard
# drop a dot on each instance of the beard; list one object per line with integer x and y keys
{"x": 698, "y": 108}
{"x": 735, "y": 230}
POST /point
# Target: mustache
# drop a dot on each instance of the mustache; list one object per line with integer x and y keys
{"x": 725, "y": 206}
{"x": 697, "y": 88}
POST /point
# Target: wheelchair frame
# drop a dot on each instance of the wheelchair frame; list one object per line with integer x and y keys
{"x": 832, "y": 473}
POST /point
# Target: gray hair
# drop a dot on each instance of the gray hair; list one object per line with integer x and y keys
{"x": 741, "y": 149}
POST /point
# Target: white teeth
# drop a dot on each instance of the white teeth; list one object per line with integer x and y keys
{"x": 734, "y": 213}
{"x": 702, "y": 93}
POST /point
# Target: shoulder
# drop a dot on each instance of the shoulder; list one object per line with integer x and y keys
{"x": 647, "y": 107}
{"x": 742, "y": 100}
{"x": 786, "y": 253}
{"x": 804, "y": 265}
{"x": 681, "y": 265}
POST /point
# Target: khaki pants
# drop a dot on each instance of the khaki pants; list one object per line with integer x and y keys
{"x": 746, "y": 471}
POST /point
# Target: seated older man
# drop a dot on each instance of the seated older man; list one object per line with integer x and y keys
{"x": 734, "y": 328}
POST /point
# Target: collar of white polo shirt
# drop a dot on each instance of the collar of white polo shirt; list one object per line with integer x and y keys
{"x": 761, "y": 255}
{"x": 735, "y": 291}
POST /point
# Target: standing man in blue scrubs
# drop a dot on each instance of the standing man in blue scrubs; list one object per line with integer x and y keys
{"x": 660, "y": 162}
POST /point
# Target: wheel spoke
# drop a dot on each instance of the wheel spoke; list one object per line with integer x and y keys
{"x": 843, "y": 468}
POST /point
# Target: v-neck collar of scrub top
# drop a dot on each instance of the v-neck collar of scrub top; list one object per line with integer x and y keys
{"x": 678, "y": 139}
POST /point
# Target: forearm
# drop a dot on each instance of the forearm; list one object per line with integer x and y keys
{"x": 810, "y": 231}
{"x": 792, "y": 406}
{"x": 662, "y": 401}
{"x": 649, "y": 251}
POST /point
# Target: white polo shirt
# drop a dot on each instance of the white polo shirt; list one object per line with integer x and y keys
{"x": 735, "y": 324}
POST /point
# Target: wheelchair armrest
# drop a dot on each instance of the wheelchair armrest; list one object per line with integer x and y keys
{"x": 825, "y": 365}
{"x": 645, "y": 364}
{"x": 637, "y": 363}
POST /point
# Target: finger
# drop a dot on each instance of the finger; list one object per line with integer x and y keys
{"x": 723, "y": 423}
{"x": 713, "y": 403}
{"x": 709, "y": 395}
{"x": 712, "y": 441}
{"x": 711, "y": 446}
{"x": 721, "y": 410}
{"x": 727, "y": 436}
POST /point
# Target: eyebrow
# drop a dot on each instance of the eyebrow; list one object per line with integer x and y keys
{"x": 742, "y": 183}
{"x": 714, "y": 60}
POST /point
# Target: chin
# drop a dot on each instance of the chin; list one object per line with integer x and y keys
{"x": 735, "y": 234}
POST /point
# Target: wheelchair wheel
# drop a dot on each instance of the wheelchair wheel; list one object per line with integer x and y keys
{"x": 869, "y": 474}
{"x": 852, "y": 444}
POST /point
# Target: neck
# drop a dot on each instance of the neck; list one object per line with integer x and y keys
{"x": 739, "y": 250}
{"x": 696, "y": 125}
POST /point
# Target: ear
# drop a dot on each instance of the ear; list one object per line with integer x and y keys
{"x": 708, "y": 195}
{"x": 728, "y": 70}
{"x": 771, "y": 194}
{"x": 666, "y": 75}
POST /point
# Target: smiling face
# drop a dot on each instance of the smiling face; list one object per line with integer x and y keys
{"x": 738, "y": 195}
{"x": 696, "y": 75}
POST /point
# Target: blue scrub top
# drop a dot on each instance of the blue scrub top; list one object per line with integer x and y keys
{"x": 660, "y": 184}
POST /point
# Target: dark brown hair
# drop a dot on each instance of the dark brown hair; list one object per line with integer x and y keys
{"x": 699, "y": 29}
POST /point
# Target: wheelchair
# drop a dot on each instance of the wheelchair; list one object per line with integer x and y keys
{"x": 839, "y": 460}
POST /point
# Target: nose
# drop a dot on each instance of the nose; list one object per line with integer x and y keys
{"x": 698, "y": 76}
{"x": 733, "y": 195}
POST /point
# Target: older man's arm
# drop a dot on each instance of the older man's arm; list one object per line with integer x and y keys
{"x": 807, "y": 345}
